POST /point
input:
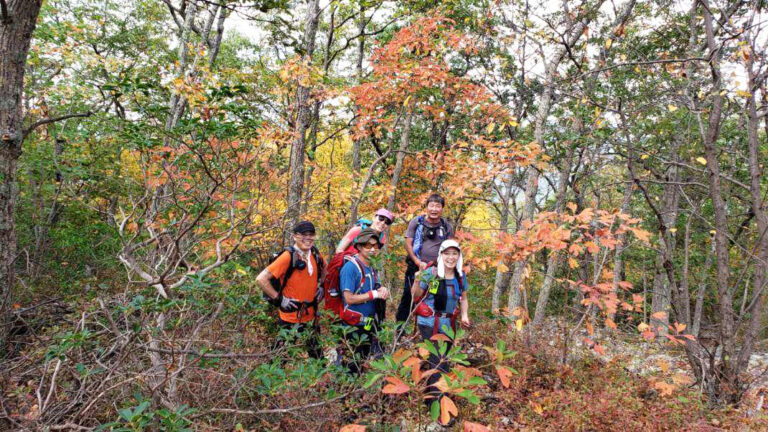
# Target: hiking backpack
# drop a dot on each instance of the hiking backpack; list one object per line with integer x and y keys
{"x": 296, "y": 263}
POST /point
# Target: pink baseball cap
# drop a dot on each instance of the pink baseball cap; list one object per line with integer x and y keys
{"x": 386, "y": 213}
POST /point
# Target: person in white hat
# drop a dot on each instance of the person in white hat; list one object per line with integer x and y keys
{"x": 442, "y": 301}
{"x": 444, "y": 291}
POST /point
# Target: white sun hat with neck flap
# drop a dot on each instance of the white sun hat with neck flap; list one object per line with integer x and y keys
{"x": 447, "y": 244}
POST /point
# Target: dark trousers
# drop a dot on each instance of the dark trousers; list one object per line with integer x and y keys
{"x": 404, "y": 309}
{"x": 434, "y": 362}
{"x": 364, "y": 344}
{"x": 307, "y": 331}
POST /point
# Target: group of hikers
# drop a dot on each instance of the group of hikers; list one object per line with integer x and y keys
{"x": 434, "y": 289}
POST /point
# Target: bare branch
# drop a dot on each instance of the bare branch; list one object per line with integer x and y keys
{"x": 49, "y": 120}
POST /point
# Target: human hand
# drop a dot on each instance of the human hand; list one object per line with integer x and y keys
{"x": 288, "y": 304}
{"x": 319, "y": 294}
{"x": 465, "y": 322}
{"x": 383, "y": 293}
{"x": 423, "y": 265}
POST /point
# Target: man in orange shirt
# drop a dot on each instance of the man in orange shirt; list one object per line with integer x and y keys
{"x": 299, "y": 271}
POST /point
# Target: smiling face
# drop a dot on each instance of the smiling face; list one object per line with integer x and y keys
{"x": 451, "y": 257}
{"x": 304, "y": 241}
{"x": 380, "y": 223}
{"x": 368, "y": 249}
{"x": 434, "y": 211}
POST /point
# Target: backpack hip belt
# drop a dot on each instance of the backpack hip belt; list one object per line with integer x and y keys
{"x": 451, "y": 316}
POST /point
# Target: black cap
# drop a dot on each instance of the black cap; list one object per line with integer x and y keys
{"x": 366, "y": 235}
{"x": 304, "y": 227}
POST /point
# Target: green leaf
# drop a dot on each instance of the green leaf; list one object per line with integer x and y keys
{"x": 434, "y": 410}
{"x": 372, "y": 380}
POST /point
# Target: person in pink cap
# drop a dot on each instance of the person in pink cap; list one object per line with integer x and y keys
{"x": 382, "y": 219}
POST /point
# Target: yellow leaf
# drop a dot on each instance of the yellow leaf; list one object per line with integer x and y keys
{"x": 490, "y": 128}
{"x": 608, "y": 43}
{"x": 643, "y": 327}
{"x": 644, "y": 157}
{"x": 701, "y": 160}
{"x": 502, "y": 268}
{"x": 671, "y": 108}
{"x": 673, "y": 230}
{"x": 514, "y": 123}
{"x": 405, "y": 102}
{"x": 519, "y": 324}
{"x": 572, "y": 263}
{"x": 743, "y": 93}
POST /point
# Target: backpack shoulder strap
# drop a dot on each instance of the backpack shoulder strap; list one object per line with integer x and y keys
{"x": 359, "y": 266}
{"x": 291, "y": 266}
{"x": 319, "y": 260}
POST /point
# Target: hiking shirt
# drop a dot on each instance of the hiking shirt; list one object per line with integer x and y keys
{"x": 300, "y": 286}
{"x": 429, "y": 247}
{"x": 349, "y": 280}
{"x": 454, "y": 294}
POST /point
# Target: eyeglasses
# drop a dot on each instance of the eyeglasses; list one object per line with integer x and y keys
{"x": 306, "y": 235}
{"x": 385, "y": 220}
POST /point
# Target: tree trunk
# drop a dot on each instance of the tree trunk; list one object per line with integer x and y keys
{"x": 757, "y": 307}
{"x": 400, "y": 160}
{"x": 725, "y": 387}
{"x": 296, "y": 183}
{"x": 15, "y": 34}
{"x": 356, "y": 144}
{"x": 502, "y": 277}
{"x": 574, "y": 32}
{"x": 553, "y": 258}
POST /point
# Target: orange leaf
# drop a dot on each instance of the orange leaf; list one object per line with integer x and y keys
{"x": 447, "y": 409}
{"x": 352, "y": 428}
{"x": 610, "y": 323}
{"x": 599, "y": 349}
{"x": 414, "y": 363}
{"x": 475, "y": 427}
{"x": 660, "y": 315}
{"x": 504, "y": 374}
{"x": 395, "y": 386}
{"x": 400, "y": 355}
{"x": 440, "y": 337}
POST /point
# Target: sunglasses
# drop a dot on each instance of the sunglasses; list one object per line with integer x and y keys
{"x": 370, "y": 246}
{"x": 385, "y": 220}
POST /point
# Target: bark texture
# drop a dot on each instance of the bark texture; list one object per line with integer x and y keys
{"x": 15, "y": 36}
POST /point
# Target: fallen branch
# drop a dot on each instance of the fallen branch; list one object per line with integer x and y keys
{"x": 279, "y": 410}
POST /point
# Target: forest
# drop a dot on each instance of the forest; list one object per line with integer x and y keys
{"x": 592, "y": 172}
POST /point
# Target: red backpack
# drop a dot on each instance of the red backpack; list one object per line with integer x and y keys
{"x": 333, "y": 300}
